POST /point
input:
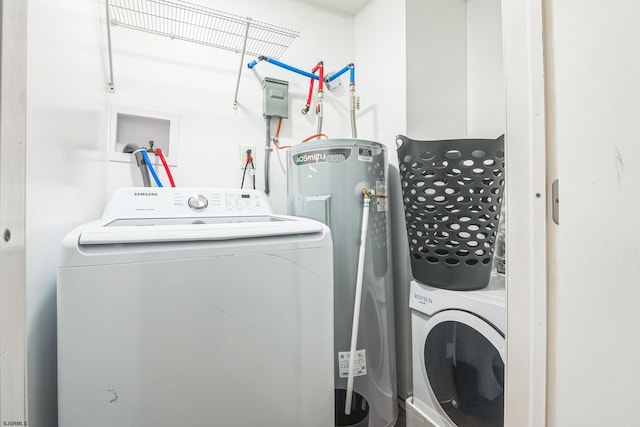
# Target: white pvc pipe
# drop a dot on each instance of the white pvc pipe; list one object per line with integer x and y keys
{"x": 356, "y": 305}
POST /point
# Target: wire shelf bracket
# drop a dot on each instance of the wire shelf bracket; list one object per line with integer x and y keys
{"x": 181, "y": 20}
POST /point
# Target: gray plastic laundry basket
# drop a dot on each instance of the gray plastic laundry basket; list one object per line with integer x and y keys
{"x": 452, "y": 193}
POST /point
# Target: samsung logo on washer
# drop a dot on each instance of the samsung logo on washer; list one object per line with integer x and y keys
{"x": 422, "y": 299}
{"x": 322, "y": 156}
{"x": 145, "y": 194}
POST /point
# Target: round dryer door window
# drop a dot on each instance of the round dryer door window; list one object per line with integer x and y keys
{"x": 464, "y": 364}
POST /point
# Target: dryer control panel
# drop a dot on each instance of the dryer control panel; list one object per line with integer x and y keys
{"x": 151, "y": 202}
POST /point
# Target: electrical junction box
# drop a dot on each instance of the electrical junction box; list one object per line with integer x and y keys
{"x": 276, "y": 98}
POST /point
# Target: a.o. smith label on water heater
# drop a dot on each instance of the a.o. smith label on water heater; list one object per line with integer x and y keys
{"x": 360, "y": 367}
{"x": 333, "y": 155}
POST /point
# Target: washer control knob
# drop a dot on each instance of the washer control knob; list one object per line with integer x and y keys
{"x": 198, "y": 202}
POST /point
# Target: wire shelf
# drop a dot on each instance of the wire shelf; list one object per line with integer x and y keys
{"x": 198, "y": 24}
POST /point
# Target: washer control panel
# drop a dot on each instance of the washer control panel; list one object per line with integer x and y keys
{"x": 151, "y": 202}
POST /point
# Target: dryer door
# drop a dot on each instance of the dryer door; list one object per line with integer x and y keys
{"x": 463, "y": 361}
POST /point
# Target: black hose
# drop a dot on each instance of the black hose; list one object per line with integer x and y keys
{"x": 244, "y": 172}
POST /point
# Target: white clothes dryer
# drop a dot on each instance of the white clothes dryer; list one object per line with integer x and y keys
{"x": 195, "y": 307}
{"x": 458, "y": 348}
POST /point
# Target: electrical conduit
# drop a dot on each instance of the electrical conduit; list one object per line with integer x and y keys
{"x": 366, "y": 194}
{"x": 267, "y": 155}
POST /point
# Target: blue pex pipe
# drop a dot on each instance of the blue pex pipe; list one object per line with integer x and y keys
{"x": 153, "y": 172}
{"x": 337, "y": 74}
{"x": 282, "y": 65}
{"x": 352, "y": 74}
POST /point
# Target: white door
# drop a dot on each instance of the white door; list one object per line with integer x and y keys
{"x": 13, "y": 76}
{"x": 593, "y": 133}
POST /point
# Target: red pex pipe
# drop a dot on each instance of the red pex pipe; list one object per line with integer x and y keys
{"x": 319, "y": 66}
{"x": 166, "y": 166}
{"x": 310, "y": 95}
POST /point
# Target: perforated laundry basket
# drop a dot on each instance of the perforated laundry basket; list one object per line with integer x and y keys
{"x": 452, "y": 193}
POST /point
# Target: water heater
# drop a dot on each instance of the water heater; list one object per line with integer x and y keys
{"x": 325, "y": 182}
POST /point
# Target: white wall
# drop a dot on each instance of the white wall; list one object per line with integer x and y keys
{"x": 66, "y": 168}
{"x": 68, "y": 176}
{"x": 198, "y": 83}
{"x": 594, "y": 283}
{"x": 381, "y": 70}
{"x": 436, "y": 69}
{"x": 486, "y": 107}
{"x": 456, "y": 79}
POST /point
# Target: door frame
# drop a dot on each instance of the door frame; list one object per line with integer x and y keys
{"x": 526, "y": 195}
{"x": 13, "y": 89}
{"x": 526, "y": 211}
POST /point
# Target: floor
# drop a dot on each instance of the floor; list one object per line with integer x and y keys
{"x": 402, "y": 419}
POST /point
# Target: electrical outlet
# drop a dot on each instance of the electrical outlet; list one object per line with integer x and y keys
{"x": 243, "y": 155}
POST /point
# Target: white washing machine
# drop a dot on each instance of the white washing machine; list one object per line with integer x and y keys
{"x": 458, "y": 347}
{"x": 195, "y": 307}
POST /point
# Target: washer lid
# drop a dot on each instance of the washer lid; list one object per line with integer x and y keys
{"x": 149, "y": 215}
{"x": 184, "y": 229}
{"x": 463, "y": 360}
